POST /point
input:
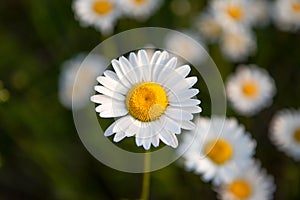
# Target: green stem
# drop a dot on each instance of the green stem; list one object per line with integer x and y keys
{"x": 146, "y": 177}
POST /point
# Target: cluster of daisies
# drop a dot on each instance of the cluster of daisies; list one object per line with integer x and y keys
{"x": 231, "y": 23}
{"x": 103, "y": 14}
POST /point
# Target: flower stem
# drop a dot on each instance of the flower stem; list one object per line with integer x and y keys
{"x": 146, "y": 177}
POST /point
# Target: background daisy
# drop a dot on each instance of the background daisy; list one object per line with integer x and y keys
{"x": 217, "y": 155}
{"x": 285, "y": 132}
{"x": 102, "y": 14}
{"x": 151, "y": 97}
{"x": 251, "y": 183}
{"x": 250, "y": 89}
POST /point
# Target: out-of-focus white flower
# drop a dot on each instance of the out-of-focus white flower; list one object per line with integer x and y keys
{"x": 102, "y": 14}
{"x": 188, "y": 46}
{"x": 251, "y": 183}
{"x": 208, "y": 26}
{"x": 237, "y": 44}
{"x": 250, "y": 89}
{"x": 72, "y": 70}
{"x": 232, "y": 13}
{"x": 139, "y": 9}
{"x": 217, "y": 155}
{"x": 151, "y": 96}
{"x": 286, "y": 14}
{"x": 285, "y": 132}
{"x": 260, "y": 10}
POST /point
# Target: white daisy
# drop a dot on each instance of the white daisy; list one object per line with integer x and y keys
{"x": 217, "y": 156}
{"x": 139, "y": 9}
{"x": 208, "y": 26}
{"x": 84, "y": 74}
{"x": 102, "y": 14}
{"x": 232, "y": 13}
{"x": 250, "y": 89}
{"x": 237, "y": 44}
{"x": 286, "y": 14}
{"x": 251, "y": 183}
{"x": 151, "y": 97}
{"x": 186, "y": 46}
{"x": 285, "y": 132}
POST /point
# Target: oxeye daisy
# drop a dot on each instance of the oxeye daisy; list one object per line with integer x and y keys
{"x": 217, "y": 156}
{"x": 139, "y": 9}
{"x": 286, "y": 14}
{"x": 285, "y": 132}
{"x": 250, "y": 89}
{"x": 151, "y": 97}
{"x": 102, "y": 14}
{"x": 72, "y": 70}
{"x": 251, "y": 183}
{"x": 237, "y": 44}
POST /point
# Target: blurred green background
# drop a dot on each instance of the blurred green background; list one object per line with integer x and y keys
{"x": 41, "y": 155}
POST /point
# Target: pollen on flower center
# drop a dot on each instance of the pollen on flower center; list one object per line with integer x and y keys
{"x": 219, "y": 151}
{"x": 250, "y": 89}
{"x": 235, "y": 11}
{"x": 146, "y": 101}
{"x": 296, "y": 7}
{"x": 240, "y": 189}
{"x": 102, "y": 7}
{"x": 297, "y": 135}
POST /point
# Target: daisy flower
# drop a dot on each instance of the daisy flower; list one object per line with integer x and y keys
{"x": 237, "y": 44}
{"x": 285, "y": 132}
{"x": 250, "y": 89}
{"x": 139, "y": 9}
{"x": 72, "y": 70}
{"x": 232, "y": 13}
{"x": 185, "y": 46}
{"x": 286, "y": 14}
{"x": 217, "y": 156}
{"x": 102, "y": 14}
{"x": 151, "y": 97}
{"x": 251, "y": 183}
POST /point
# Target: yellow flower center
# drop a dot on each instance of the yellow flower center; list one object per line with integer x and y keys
{"x": 235, "y": 12}
{"x": 140, "y": 1}
{"x": 250, "y": 89}
{"x": 296, "y": 7}
{"x": 102, "y": 7}
{"x": 297, "y": 135}
{"x": 146, "y": 101}
{"x": 219, "y": 151}
{"x": 240, "y": 189}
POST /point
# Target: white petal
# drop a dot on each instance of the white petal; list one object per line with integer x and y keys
{"x": 108, "y": 92}
{"x": 122, "y": 125}
{"x": 122, "y": 77}
{"x": 183, "y": 70}
{"x": 155, "y": 140}
{"x": 111, "y": 74}
{"x": 188, "y": 125}
{"x": 186, "y": 103}
{"x": 178, "y": 114}
{"x": 170, "y": 124}
{"x": 100, "y": 99}
{"x": 109, "y": 130}
{"x": 112, "y": 84}
{"x": 169, "y": 138}
{"x": 128, "y": 69}
{"x": 155, "y": 57}
{"x": 193, "y": 109}
{"x": 113, "y": 113}
{"x": 119, "y": 136}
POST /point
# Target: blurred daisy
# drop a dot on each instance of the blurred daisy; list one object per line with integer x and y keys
{"x": 286, "y": 14}
{"x": 72, "y": 70}
{"x": 232, "y": 13}
{"x": 186, "y": 46}
{"x": 208, "y": 27}
{"x": 285, "y": 132}
{"x": 237, "y": 44}
{"x": 250, "y": 89}
{"x": 261, "y": 12}
{"x": 102, "y": 14}
{"x": 139, "y": 9}
{"x": 251, "y": 183}
{"x": 151, "y": 97}
{"x": 217, "y": 149}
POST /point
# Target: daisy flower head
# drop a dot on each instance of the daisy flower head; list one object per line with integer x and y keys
{"x": 237, "y": 44}
{"x": 139, "y": 9}
{"x": 286, "y": 14}
{"x": 150, "y": 96}
{"x": 185, "y": 46}
{"x": 73, "y": 95}
{"x": 102, "y": 14}
{"x": 232, "y": 13}
{"x": 251, "y": 183}
{"x": 217, "y": 155}
{"x": 285, "y": 132}
{"x": 250, "y": 89}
